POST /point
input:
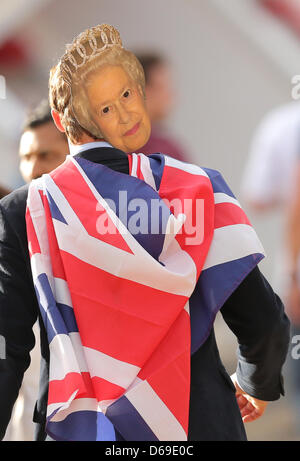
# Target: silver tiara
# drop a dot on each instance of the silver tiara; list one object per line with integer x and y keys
{"x": 109, "y": 37}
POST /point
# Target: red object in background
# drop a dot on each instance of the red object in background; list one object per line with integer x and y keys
{"x": 286, "y": 10}
{"x": 13, "y": 54}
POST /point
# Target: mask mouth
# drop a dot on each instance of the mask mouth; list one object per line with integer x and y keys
{"x": 133, "y": 130}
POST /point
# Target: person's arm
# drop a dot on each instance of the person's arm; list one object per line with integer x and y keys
{"x": 255, "y": 314}
{"x": 18, "y": 313}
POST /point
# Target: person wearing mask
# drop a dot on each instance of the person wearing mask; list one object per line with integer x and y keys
{"x": 127, "y": 297}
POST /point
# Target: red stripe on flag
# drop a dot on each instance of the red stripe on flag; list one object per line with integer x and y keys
{"x": 105, "y": 390}
{"x": 227, "y": 214}
{"x": 125, "y": 320}
{"x": 139, "y": 169}
{"x": 61, "y": 390}
{"x": 196, "y": 195}
{"x": 56, "y": 262}
{"x": 41, "y": 195}
{"x": 175, "y": 179}
{"x": 172, "y": 358}
{"x": 34, "y": 246}
{"x": 130, "y": 162}
{"x": 92, "y": 215}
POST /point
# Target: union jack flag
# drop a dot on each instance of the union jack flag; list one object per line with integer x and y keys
{"x": 125, "y": 310}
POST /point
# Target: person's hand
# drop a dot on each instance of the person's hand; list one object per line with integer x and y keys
{"x": 293, "y": 302}
{"x": 250, "y": 408}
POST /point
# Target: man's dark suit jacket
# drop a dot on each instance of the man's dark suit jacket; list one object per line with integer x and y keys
{"x": 253, "y": 312}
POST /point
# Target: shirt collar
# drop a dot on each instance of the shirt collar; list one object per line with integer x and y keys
{"x": 78, "y": 148}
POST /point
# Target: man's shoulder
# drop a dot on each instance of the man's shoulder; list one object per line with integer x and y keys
{"x": 14, "y": 204}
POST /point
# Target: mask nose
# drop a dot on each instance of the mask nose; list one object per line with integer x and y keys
{"x": 124, "y": 115}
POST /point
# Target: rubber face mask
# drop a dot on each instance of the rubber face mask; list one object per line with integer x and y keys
{"x": 116, "y": 109}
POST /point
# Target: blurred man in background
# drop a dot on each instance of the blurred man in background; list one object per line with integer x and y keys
{"x": 269, "y": 179}
{"x": 42, "y": 149}
{"x": 160, "y": 98}
{"x": 271, "y": 183}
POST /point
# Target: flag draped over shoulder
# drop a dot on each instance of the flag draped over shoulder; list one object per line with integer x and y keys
{"x": 130, "y": 271}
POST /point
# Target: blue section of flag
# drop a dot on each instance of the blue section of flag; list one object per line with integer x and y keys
{"x": 214, "y": 287}
{"x": 83, "y": 426}
{"x": 124, "y": 417}
{"x": 218, "y": 182}
{"x": 58, "y": 318}
{"x": 55, "y": 213}
{"x": 157, "y": 164}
